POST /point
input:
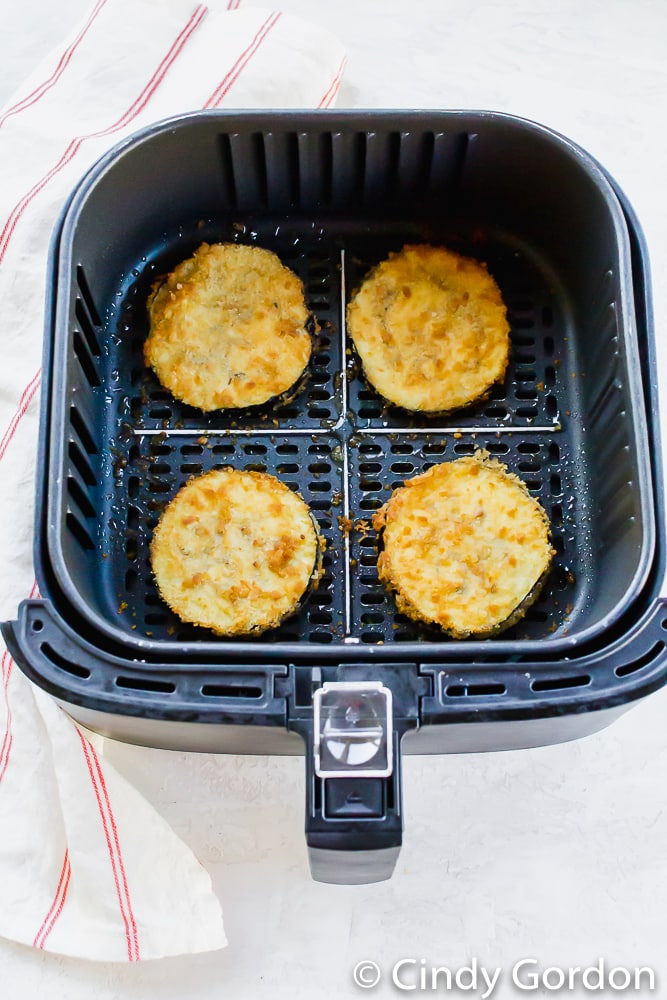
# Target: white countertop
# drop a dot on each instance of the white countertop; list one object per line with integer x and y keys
{"x": 557, "y": 854}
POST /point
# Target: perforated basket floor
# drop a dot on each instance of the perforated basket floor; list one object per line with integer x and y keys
{"x": 338, "y": 443}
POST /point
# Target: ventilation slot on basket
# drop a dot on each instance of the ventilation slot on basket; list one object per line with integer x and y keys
{"x": 227, "y": 170}
{"x": 84, "y": 288}
{"x": 145, "y": 684}
{"x": 315, "y": 156}
{"x": 75, "y": 669}
{"x": 319, "y": 287}
{"x": 643, "y": 661}
{"x": 619, "y": 514}
{"x": 81, "y": 464}
{"x": 379, "y": 169}
{"x": 560, "y": 683}
{"x": 472, "y": 690}
{"x": 521, "y": 315}
{"x": 348, "y": 168}
{"x": 80, "y": 498}
{"x": 615, "y": 476}
{"x": 244, "y": 172}
{"x": 81, "y": 429}
{"x": 615, "y": 441}
{"x": 231, "y": 691}
{"x": 280, "y": 151}
{"x": 86, "y": 360}
{"x": 79, "y": 532}
{"x": 602, "y": 355}
{"x": 87, "y": 328}
{"x": 448, "y": 162}
{"x": 604, "y": 397}
{"x": 371, "y": 405}
{"x": 289, "y": 170}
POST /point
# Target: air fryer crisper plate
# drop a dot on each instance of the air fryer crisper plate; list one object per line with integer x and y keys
{"x": 332, "y": 194}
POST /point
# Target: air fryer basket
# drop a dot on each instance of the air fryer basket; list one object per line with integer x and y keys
{"x": 332, "y": 194}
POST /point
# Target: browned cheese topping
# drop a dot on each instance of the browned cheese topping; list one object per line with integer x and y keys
{"x": 228, "y": 328}
{"x": 235, "y": 551}
{"x": 465, "y": 546}
{"x": 430, "y": 328}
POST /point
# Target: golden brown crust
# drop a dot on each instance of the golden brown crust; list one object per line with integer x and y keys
{"x": 228, "y": 328}
{"x": 430, "y": 328}
{"x": 465, "y": 546}
{"x": 236, "y": 551}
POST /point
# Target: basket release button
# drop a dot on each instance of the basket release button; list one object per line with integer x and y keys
{"x": 354, "y": 798}
{"x": 353, "y": 730}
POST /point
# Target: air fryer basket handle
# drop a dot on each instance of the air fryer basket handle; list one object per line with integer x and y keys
{"x": 352, "y": 720}
{"x": 354, "y": 826}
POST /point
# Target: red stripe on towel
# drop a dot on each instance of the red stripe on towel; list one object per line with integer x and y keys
{"x": 135, "y": 108}
{"x": 65, "y": 873}
{"x": 5, "y": 750}
{"x": 330, "y": 95}
{"x": 56, "y": 906}
{"x": 7, "y": 667}
{"x": 113, "y": 845}
{"x": 232, "y": 76}
{"x": 24, "y": 403}
{"x": 46, "y": 85}
{"x": 142, "y": 100}
{"x": 114, "y": 830}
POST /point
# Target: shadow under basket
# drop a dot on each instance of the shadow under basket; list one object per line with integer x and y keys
{"x": 348, "y": 679}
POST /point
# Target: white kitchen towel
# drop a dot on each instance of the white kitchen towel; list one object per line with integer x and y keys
{"x": 87, "y": 867}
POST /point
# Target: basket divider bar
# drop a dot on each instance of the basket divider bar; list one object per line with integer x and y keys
{"x": 463, "y": 431}
{"x": 326, "y": 431}
{"x": 347, "y": 579}
{"x": 235, "y": 432}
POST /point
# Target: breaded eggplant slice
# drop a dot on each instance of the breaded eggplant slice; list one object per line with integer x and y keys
{"x": 430, "y": 328}
{"x": 464, "y": 546}
{"x": 228, "y": 328}
{"x": 236, "y": 552}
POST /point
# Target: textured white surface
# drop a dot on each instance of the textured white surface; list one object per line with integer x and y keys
{"x": 558, "y": 853}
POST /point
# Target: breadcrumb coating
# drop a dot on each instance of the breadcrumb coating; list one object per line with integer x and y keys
{"x": 464, "y": 546}
{"x": 228, "y": 328}
{"x": 431, "y": 329}
{"x": 236, "y": 551}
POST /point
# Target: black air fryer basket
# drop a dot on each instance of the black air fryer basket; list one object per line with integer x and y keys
{"x": 349, "y": 678}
